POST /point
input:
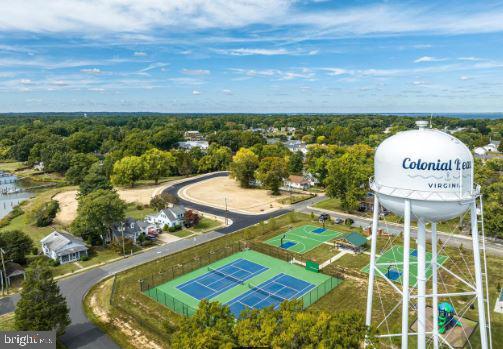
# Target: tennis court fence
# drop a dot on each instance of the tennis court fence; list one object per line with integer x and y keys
{"x": 171, "y": 302}
{"x": 167, "y": 273}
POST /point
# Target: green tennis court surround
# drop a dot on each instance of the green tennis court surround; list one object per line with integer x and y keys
{"x": 390, "y": 264}
{"x": 304, "y": 238}
{"x": 246, "y": 279}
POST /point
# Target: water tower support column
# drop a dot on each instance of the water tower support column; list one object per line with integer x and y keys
{"x": 421, "y": 284}
{"x": 373, "y": 244}
{"x": 434, "y": 276}
{"x": 405, "y": 275}
{"x": 478, "y": 276}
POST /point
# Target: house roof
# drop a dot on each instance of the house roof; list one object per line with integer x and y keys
{"x": 13, "y": 269}
{"x": 355, "y": 239}
{"x": 63, "y": 242}
{"x": 173, "y": 212}
{"x": 297, "y": 179}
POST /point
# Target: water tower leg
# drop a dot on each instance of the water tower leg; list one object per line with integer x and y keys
{"x": 478, "y": 277}
{"x": 405, "y": 275}
{"x": 434, "y": 277}
{"x": 373, "y": 244}
{"x": 421, "y": 285}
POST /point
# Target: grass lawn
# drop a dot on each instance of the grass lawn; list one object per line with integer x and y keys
{"x": 11, "y": 166}
{"x": 357, "y": 261}
{"x": 133, "y": 211}
{"x": 7, "y": 322}
{"x": 182, "y": 233}
{"x": 294, "y": 199}
{"x": 329, "y": 204}
{"x": 321, "y": 253}
{"x": 206, "y": 224}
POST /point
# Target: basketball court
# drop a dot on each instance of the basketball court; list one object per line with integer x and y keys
{"x": 304, "y": 238}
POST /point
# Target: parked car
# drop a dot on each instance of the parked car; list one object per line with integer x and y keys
{"x": 339, "y": 220}
{"x": 324, "y": 217}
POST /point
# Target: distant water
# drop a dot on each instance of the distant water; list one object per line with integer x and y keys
{"x": 451, "y": 115}
{"x": 9, "y": 198}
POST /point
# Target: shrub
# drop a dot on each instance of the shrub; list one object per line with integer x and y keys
{"x": 55, "y": 263}
{"x": 84, "y": 258}
{"x": 34, "y": 251}
{"x": 139, "y": 207}
{"x": 45, "y": 214}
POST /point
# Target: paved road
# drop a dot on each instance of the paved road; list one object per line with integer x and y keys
{"x": 82, "y": 333}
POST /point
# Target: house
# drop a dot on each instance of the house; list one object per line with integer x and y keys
{"x": 492, "y": 147}
{"x": 203, "y": 145}
{"x": 39, "y": 166}
{"x": 297, "y": 182}
{"x": 353, "y": 241}
{"x": 193, "y": 136}
{"x": 311, "y": 178}
{"x": 63, "y": 247}
{"x": 171, "y": 217}
{"x": 131, "y": 229}
{"x": 295, "y": 146}
{"x": 498, "y": 308}
{"x": 12, "y": 270}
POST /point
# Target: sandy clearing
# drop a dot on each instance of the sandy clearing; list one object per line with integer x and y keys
{"x": 214, "y": 191}
{"x": 68, "y": 201}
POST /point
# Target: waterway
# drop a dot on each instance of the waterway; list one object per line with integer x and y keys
{"x": 11, "y": 193}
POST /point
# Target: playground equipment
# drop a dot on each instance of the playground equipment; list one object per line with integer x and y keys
{"x": 446, "y": 319}
{"x": 426, "y": 175}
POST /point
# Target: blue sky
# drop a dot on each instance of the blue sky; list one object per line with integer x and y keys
{"x": 251, "y": 56}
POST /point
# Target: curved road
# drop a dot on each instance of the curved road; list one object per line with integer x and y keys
{"x": 84, "y": 334}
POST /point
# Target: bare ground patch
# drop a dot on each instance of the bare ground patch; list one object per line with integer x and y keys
{"x": 215, "y": 191}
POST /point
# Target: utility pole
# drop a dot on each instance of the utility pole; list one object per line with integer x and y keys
{"x": 122, "y": 232}
{"x": 4, "y": 271}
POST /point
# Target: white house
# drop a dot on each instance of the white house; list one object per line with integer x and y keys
{"x": 194, "y": 144}
{"x": 63, "y": 247}
{"x": 172, "y": 217}
{"x": 297, "y": 182}
{"x": 492, "y": 147}
{"x": 498, "y": 308}
{"x": 295, "y": 146}
{"x": 132, "y": 229}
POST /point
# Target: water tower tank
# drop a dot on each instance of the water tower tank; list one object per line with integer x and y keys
{"x": 431, "y": 168}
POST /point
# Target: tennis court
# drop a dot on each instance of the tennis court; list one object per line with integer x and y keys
{"x": 246, "y": 279}
{"x": 304, "y": 238}
{"x": 390, "y": 264}
{"x": 270, "y": 293}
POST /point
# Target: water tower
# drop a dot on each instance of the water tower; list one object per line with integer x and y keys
{"x": 425, "y": 175}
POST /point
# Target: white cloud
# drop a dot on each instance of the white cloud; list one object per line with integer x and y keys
{"x": 277, "y": 74}
{"x": 187, "y": 81}
{"x": 429, "y": 59}
{"x": 336, "y": 71}
{"x": 472, "y": 59}
{"x": 25, "y": 82}
{"x": 464, "y": 77}
{"x": 91, "y": 71}
{"x": 266, "y": 52}
{"x": 139, "y": 54}
{"x": 153, "y": 66}
{"x": 196, "y": 92}
{"x": 227, "y": 92}
{"x": 96, "y": 89}
{"x": 195, "y": 71}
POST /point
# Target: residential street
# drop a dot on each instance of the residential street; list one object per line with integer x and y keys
{"x": 83, "y": 334}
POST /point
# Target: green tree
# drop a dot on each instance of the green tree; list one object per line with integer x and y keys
{"x": 348, "y": 175}
{"x": 296, "y": 163}
{"x": 218, "y": 158}
{"x": 271, "y": 172}
{"x": 127, "y": 171}
{"x": 243, "y": 166}
{"x": 157, "y": 164}
{"x": 96, "y": 214}
{"x": 162, "y": 201}
{"x": 94, "y": 180}
{"x": 211, "y": 327}
{"x": 44, "y": 214}
{"x": 41, "y": 307}
{"x": 16, "y": 245}
{"x": 79, "y": 166}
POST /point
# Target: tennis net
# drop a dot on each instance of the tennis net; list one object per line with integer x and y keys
{"x": 266, "y": 293}
{"x": 227, "y": 276}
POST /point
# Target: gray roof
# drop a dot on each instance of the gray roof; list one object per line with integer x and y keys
{"x": 174, "y": 212}
{"x": 63, "y": 242}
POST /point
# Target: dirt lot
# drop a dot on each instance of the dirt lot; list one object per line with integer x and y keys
{"x": 68, "y": 201}
{"x": 213, "y": 192}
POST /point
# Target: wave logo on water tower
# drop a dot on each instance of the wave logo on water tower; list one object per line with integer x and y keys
{"x": 438, "y": 170}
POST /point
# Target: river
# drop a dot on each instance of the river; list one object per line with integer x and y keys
{"x": 11, "y": 193}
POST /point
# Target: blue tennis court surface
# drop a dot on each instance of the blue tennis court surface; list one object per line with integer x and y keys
{"x": 319, "y": 230}
{"x": 221, "y": 279}
{"x": 393, "y": 274}
{"x": 288, "y": 244}
{"x": 271, "y": 292}
{"x": 414, "y": 253}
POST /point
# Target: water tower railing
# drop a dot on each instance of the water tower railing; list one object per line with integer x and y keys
{"x": 422, "y": 194}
